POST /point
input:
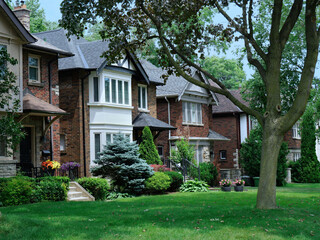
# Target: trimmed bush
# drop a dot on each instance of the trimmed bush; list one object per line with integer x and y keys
{"x": 61, "y": 180}
{"x": 16, "y": 191}
{"x": 158, "y": 183}
{"x": 97, "y": 187}
{"x": 176, "y": 181}
{"x": 51, "y": 191}
{"x": 147, "y": 148}
{"x": 194, "y": 186}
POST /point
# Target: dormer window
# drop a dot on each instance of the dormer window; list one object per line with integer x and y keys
{"x": 34, "y": 68}
{"x": 142, "y": 97}
{"x": 192, "y": 113}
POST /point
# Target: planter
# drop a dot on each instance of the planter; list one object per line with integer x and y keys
{"x": 226, "y": 189}
{"x": 256, "y": 181}
{"x": 238, "y": 188}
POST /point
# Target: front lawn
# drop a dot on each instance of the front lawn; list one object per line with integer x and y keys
{"x": 213, "y": 215}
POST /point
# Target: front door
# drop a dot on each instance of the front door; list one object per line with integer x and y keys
{"x": 26, "y": 152}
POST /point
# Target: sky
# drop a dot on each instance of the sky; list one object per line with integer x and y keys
{"x": 52, "y": 9}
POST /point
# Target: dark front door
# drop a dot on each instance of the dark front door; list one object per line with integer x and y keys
{"x": 26, "y": 152}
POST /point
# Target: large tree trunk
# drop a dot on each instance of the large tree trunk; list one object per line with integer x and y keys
{"x": 271, "y": 144}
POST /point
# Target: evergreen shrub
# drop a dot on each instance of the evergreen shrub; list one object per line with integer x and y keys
{"x": 176, "y": 181}
{"x": 158, "y": 183}
{"x": 183, "y": 151}
{"x": 120, "y": 161}
{"x": 97, "y": 187}
{"x": 147, "y": 148}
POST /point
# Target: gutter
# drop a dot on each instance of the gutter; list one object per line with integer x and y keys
{"x": 50, "y": 101}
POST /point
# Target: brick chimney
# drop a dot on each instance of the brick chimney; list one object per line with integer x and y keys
{"x": 23, "y": 14}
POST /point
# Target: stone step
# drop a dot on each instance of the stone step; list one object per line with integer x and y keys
{"x": 78, "y": 193}
{"x": 78, "y": 199}
{"x": 75, "y": 194}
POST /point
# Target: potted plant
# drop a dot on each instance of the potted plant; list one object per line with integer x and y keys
{"x": 238, "y": 185}
{"x": 49, "y": 167}
{"x": 70, "y": 169}
{"x": 225, "y": 185}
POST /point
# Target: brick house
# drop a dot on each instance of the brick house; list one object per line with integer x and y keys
{"x": 102, "y": 99}
{"x": 233, "y": 123}
{"x": 37, "y": 75}
{"x": 188, "y": 108}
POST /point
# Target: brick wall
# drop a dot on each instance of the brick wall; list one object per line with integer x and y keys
{"x": 41, "y": 91}
{"x": 292, "y": 143}
{"x": 228, "y": 126}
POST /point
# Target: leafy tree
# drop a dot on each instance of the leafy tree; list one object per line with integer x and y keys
{"x": 10, "y": 129}
{"x": 183, "y": 151}
{"x": 250, "y": 155}
{"x": 147, "y": 148}
{"x": 183, "y": 38}
{"x": 94, "y": 31}
{"x": 308, "y": 166}
{"x": 228, "y": 71}
{"x": 121, "y": 162}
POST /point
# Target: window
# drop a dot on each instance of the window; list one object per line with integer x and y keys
{"x": 296, "y": 156}
{"x": 97, "y": 147}
{"x": 62, "y": 142}
{"x": 142, "y": 97}
{"x": 192, "y": 113}
{"x": 3, "y": 147}
{"x": 223, "y": 155}
{"x": 34, "y": 69}
{"x": 116, "y": 91}
{"x": 160, "y": 151}
{"x": 110, "y": 137}
{"x": 96, "y": 89}
{"x": 296, "y": 131}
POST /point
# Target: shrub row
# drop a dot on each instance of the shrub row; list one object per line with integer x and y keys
{"x": 97, "y": 187}
{"x": 21, "y": 190}
{"x": 164, "y": 181}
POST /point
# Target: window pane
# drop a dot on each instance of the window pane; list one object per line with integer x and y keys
{"x": 33, "y": 62}
{"x": 107, "y": 89}
{"x": 96, "y": 89}
{"x": 144, "y": 98}
{"x": 189, "y": 112}
{"x": 62, "y": 142}
{"x": 193, "y": 114}
{"x": 114, "y": 91}
{"x": 108, "y": 138}
{"x": 96, "y": 145}
{"x": 126, "y": 92}
{"x": 139, "y": 97}
{"x": 199, "y": 120}
{"x": 184, "y": 114}
{"x": 33, "y": 73}
{"x": 120, "y": 93}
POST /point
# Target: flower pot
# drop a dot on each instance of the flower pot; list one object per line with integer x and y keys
{"x": 238, "y": 188}
{"x": 226, "y": 189}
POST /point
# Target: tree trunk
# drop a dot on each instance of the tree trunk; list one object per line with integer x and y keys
{"x": 271, "y": 144}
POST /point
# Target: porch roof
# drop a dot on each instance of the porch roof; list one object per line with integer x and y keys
{"x": 145, "y": 119}
{"x": 32, "y": 104}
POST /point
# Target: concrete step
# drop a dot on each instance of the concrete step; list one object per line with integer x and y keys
{"x": 78, "y": 193}
{"x": 74, "y": 194}
{"x": 78, "y": 199}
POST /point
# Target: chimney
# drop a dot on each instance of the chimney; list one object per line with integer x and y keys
{"x": 23, "y": 14}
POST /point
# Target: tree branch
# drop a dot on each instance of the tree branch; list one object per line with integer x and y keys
{"x": 275, "y": 25}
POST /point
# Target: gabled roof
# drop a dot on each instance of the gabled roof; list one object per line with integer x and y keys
{"x": 226, "y": 106}
{"x": 24, "y": 33}
{"x": 145, "y": 119}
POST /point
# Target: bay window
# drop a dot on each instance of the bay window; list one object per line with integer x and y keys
{"x": 116, "y": 91}
{"x": 192, "y": 113}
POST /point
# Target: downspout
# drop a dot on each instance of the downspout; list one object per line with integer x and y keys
{"x": 50, "y": 101}
{"x": 169, "y": 118}
{"x": 83, "y": 126}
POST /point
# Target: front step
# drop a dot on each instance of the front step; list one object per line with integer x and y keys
{"x": 78, "y": 193}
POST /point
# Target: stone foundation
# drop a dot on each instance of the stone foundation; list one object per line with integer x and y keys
{"x": 8, "y": 168}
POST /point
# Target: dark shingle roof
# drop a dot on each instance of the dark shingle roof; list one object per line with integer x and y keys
{"x": 216, "y": 136}
{"x": 226, "y": 106}
{"x": 145, "y": 119}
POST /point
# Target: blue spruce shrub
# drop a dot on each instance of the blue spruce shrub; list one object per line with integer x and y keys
{"x": 121, "y": 162}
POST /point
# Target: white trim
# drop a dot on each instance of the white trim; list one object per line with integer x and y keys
{"x": 113, "y": 105}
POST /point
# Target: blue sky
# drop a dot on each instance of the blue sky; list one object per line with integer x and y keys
{"x": 52, "y": 9}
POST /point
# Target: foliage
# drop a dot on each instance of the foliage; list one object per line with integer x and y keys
{"x": 176, "y": 181}
{"x": 159, "y": 168}
{"x": 225, "y": 183}
{"x": 94, "y": 31}
{"x": 16, "y": 191}
{"x": 69, "y": 166}
{"x": 308, "y": 166}
{"x": 228, "y": 71}
{"x": 121, "y": 162}
{"x": 184, "y": 151}
{"x": 250, "y": 155}
{"x": 239, "y": 182}
{"x": 194, "y": 186}
{"x": 97, "y": 187}
{"x": 10, "y": 129}
{"x": 58, "y": 179}
{"x": 208, "y": 173}
{"x": 147, "y": 148}
{"x": 52, "y": 191}
{"x": 158, "y": 183}
{"x": 118, "y": 195}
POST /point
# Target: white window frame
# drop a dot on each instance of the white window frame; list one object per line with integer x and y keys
{"x": 38, "y": 68}
{"x": 192, "y": 113}
{"x": 140, "y": 101}
{"x": 220, "y": 155}
{"x": 296, "y": 156}
{"x": 295, "y": 131}
{"x": 117, "y": 80}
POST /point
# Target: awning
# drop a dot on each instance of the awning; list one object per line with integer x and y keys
{"x": 145, "y": 119}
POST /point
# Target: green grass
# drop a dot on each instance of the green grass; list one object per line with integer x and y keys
{"x": 213, "y": 215}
